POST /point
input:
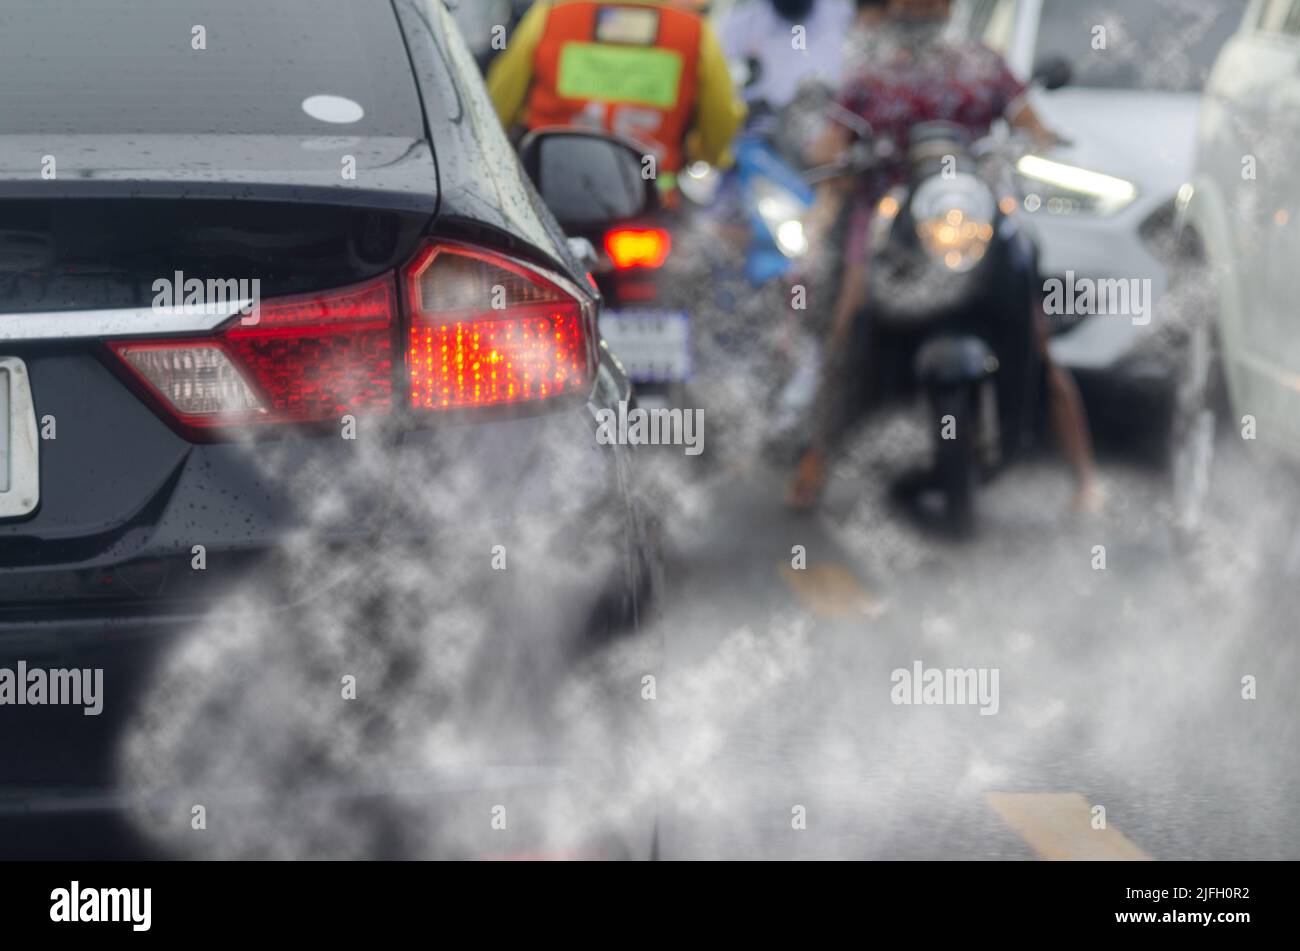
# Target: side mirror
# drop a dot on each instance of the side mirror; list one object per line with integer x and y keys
{"x": 1053, "y": 72}
{"x": 589, "y": 180}
{"x": 745, "y": 72}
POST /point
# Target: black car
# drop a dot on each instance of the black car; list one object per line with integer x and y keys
{"x": 298, "y": 384}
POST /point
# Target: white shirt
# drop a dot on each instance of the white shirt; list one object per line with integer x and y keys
{"x": 789, "y": 53}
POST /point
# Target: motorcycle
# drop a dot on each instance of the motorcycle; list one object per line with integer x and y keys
{"x": 739, "y": 244}
{"x": 764, "y": 191}
{"x": 646, "y": 321}
{"x": 683, "y": 311}
{"x": 952, "y": 299}
{"x": 650, "y": 286}
{"x": 644, "y": 324}
{"x": 681, "y": 285}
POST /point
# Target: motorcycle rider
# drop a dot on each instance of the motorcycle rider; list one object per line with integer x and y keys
{"x": 902, "y": 72}
{"x": 649, "y": 70}
{"x": 763, "y": 34}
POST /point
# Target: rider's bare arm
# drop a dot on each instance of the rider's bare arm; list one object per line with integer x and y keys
{"x": 1022, "y": 117}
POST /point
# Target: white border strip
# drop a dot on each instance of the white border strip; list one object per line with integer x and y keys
{"x": 127, "y": 322}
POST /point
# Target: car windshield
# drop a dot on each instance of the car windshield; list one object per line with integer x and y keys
{"x": 290, "y": 67}
{"x": 1167, "y": 45}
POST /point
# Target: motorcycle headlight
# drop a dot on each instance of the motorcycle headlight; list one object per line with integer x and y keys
{"x": 1064, "y": 189}
{"x": 700, "y": 183}
{"x": 954, "y": 220}
{"x": 782, "y": 212}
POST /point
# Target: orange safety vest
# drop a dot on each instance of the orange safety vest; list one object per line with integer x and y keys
{"x": 630, "y": 69}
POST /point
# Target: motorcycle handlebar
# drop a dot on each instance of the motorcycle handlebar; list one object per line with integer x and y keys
{"x": 859, "y": 126}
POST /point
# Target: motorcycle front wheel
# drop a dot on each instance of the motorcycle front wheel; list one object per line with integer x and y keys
{"x": 957, "y": 465}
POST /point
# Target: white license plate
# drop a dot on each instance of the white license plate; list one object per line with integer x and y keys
{"x": 19, "y": 457}
{"x": 653, "y": 345}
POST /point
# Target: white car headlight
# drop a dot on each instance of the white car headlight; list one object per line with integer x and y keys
{"x": 1068, "y": 189}
{"x": 954, "y": 220}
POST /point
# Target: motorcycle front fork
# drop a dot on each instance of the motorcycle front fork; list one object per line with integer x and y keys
{"x": 981, "y": 397}
{"x": 989, "y": 444}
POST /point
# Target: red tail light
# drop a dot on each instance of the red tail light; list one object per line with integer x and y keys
{"x": 481, "y": 330}
{"x": 487, "y": 330}
{"x": 303, "y": 359}
{"x": 638, "y": 247}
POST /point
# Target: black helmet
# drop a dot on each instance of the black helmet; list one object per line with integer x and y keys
{"x": 793, "y": 10}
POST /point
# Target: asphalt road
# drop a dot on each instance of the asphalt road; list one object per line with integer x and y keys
{"x": 1120, "y": 687}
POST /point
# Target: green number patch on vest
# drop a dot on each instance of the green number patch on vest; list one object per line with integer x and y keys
{"x": 598, "y": 71}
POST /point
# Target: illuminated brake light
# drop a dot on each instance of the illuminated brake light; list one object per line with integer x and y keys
{"x": 486, "y": 330}
{"x": 482, "y": 330}
{"x": 638, "y": 247}
{"x": 308, "y": 358}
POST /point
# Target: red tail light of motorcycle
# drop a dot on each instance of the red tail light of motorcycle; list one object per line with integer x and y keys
{"x": 632, "y": 248}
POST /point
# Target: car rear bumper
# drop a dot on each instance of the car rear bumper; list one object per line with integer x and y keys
{"x": 538, "y": 492}
{"x": 230, "y": 512}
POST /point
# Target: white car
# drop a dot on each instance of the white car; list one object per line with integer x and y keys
{"x": 1103, "y": 205}
{"x": 1244, "y": 210}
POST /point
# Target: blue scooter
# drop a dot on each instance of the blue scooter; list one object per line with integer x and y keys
{"x": 765, "y": 192}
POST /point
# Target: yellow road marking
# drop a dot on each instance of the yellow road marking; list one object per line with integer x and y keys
{"x": 831, "y": 591}
{"x": 1058, "y": 826}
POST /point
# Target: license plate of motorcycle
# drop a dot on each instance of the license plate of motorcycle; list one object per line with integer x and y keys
{"x": 653, "y": 345}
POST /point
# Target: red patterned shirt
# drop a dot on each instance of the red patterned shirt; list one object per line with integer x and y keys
{"x": 895, "y": 85}
{"x": 896, "y": 82}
